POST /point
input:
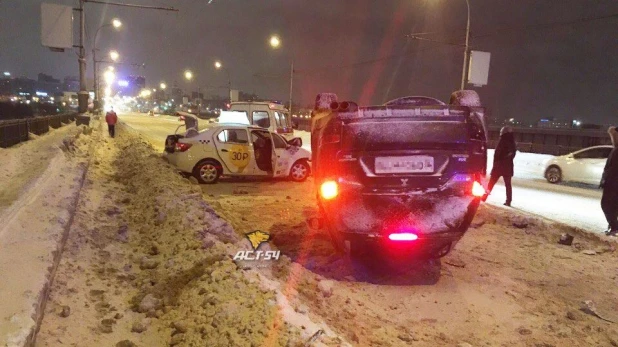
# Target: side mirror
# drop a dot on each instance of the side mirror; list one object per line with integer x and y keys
{"x": 297, "y": 141}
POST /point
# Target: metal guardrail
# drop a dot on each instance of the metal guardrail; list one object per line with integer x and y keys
{"x": 540, "y": 148}
{"x": 15, "y": 131}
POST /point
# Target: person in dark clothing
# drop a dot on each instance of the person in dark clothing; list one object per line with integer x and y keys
{"x": 503, "y": 163}
{"x": 609, "y": 183}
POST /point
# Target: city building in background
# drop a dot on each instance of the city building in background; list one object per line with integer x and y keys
{"x": 48, "y": 84}
{"x": 71, "y": 84}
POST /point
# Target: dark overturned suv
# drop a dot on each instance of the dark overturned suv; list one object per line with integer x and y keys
{"x": 406, "y": 175}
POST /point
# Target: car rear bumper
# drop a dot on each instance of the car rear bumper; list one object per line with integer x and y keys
{"x": 432, "y": 245}
{"x": 181, "y": 161}
{"x": 431, "y": 216}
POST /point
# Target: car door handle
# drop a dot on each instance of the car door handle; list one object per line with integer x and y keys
{"x": 224, "y": 150}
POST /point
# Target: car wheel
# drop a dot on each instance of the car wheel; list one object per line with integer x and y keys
{"x": 553, "y": 174}
{"x": 207, "y": 171}
{"x": 299, "y": 171}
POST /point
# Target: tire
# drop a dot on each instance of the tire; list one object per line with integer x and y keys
{"x": 299, "y": 171}
{"x": 207, "y": 171}
{"x": 553, "y": 174}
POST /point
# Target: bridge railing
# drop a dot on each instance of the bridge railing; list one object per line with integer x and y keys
{"x": 15, "y": 131}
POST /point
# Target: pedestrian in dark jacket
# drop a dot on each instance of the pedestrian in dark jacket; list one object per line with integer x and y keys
{"x": 503, "y": 163}
{"x": 609, "y": 183}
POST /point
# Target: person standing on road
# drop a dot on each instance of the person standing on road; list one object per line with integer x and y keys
{"x": 111, "y": 119}
{"x": 609, "y": 183}
{"x": 503, "y": 163}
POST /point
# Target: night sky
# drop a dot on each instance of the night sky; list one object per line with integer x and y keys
{"x": 356, "y": 48}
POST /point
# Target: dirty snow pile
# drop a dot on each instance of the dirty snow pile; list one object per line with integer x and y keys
{"x": 148, "y": 263}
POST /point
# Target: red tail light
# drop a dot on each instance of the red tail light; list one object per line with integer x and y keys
{"x": 403, "y": 237}
{"x": 477, "y": 189}
{"x": 181, "y": 147}
{"x": 329, "y": 190}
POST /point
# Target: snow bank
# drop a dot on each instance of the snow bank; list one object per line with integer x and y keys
{"x": 33, "y": 231}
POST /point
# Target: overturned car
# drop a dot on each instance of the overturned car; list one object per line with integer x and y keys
{"x": 406, "y": 175}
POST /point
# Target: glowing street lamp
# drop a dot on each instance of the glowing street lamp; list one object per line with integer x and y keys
{"x": 7, "y": 74}
{"x": 116, "y": 23}
{"x": 188, "y": 75}
{"x": 114, "y": 55}
{"x": 163, "y": 85}
{"x": 109, "y": 77}
{"x": 275, "y": 42}
{"x": 218, "y": 65}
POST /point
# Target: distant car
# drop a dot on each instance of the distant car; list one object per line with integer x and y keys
{"x": 585, "y": 166}
{"x": 235, "y": 150}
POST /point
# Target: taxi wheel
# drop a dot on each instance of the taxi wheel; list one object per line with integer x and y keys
{"x": 207, "y": 171}
{"x": 299, "y": 171}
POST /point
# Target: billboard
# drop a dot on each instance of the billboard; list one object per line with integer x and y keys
{"x": 56, "y": 26}
{"x": 478, "y": 71}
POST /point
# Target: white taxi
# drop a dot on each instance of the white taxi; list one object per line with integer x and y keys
{"x": 235, "y": 150}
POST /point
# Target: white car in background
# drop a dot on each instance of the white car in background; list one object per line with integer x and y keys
{"x": 585, "y": 165}
{"x": 235, "y": 150}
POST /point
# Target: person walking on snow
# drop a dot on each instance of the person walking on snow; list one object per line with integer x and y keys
{"x": 503, "y": 163}
{"x": 609, "y": 183}
{"x": 111, "y": 118}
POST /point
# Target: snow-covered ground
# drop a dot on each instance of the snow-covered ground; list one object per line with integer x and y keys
{"x": 576, "y": 205}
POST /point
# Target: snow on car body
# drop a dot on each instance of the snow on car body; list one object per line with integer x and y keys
{"x": 235, "y": 150}
{"x": 585, "y": 165}
{"x": 406, "y": 173}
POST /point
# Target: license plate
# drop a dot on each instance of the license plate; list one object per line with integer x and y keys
{"x": 410, "y": 164}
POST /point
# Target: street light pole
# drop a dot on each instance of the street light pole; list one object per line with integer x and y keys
{"x": 115, "y": 23}
{"x": 467, "y": 49}
{"x": 83, "y": 90}
{"x": 291, "y": 84}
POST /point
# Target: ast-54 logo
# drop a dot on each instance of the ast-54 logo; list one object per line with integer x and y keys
{"x": 257, "y": 238}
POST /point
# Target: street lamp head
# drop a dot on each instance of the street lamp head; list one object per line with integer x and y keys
{"x": 109, "y": 76}
{"x": 154, "y": 90}
{"x": 218, "y": 64}
{"x": 275, "y": 42}
{"x": 162, "y": 85}
{"x": 114, "y": 55}
{"x": 116, "y": 23}
{"x": 188, "y": 75}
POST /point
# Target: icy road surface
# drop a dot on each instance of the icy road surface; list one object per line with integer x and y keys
{"x": 573, "y": 204}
